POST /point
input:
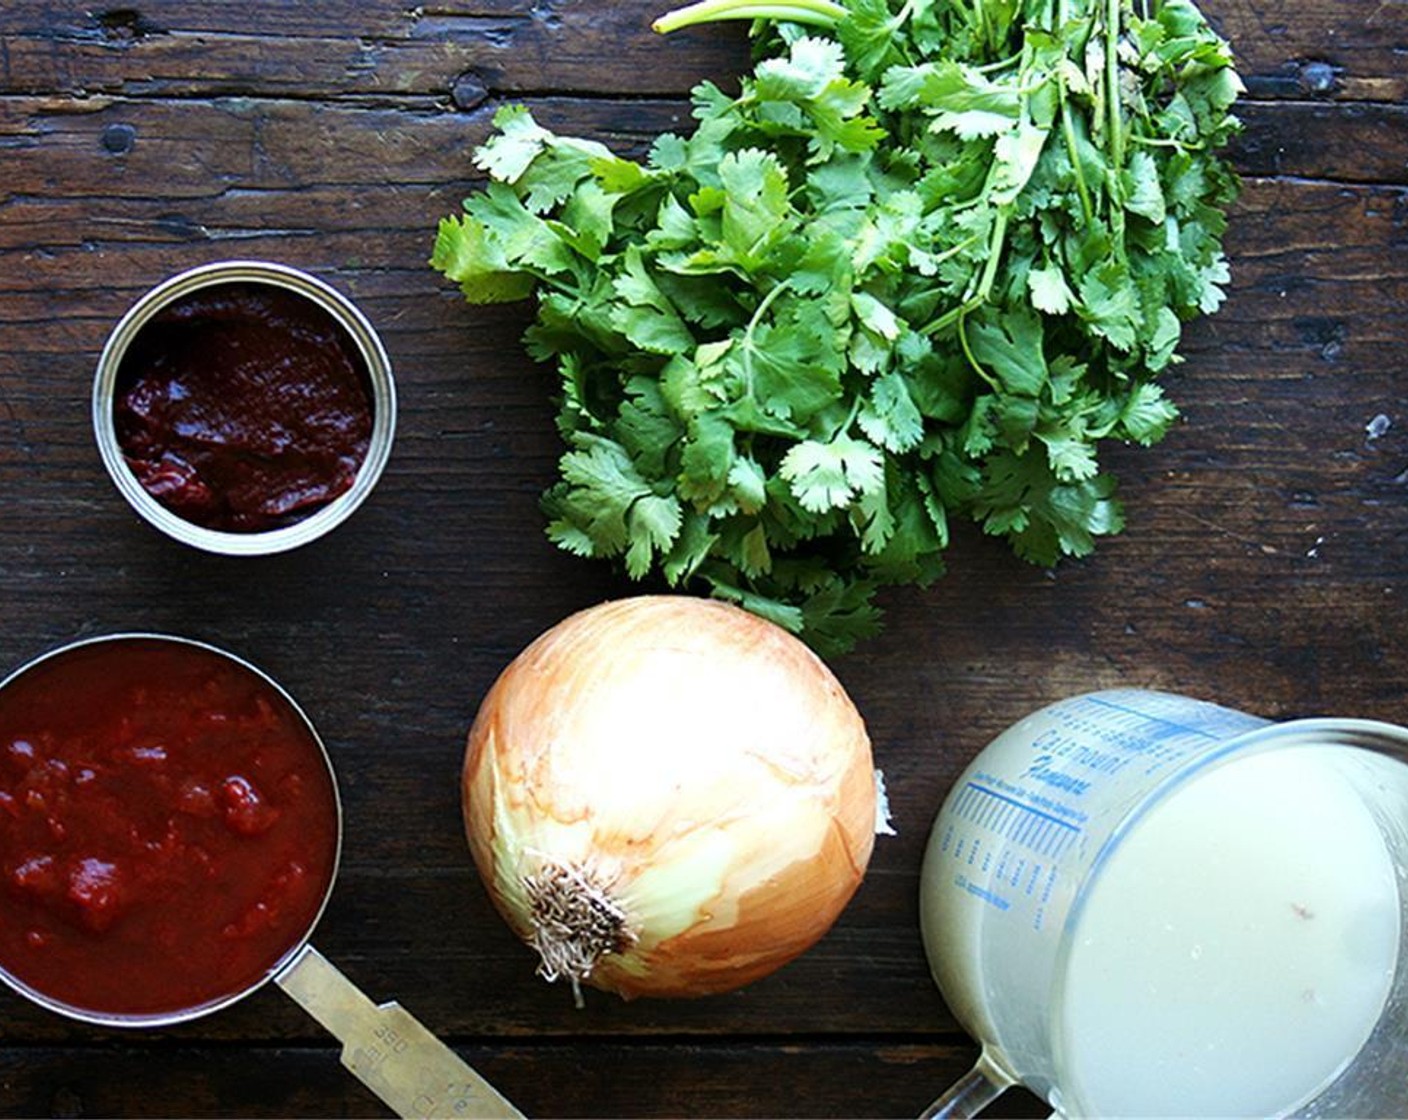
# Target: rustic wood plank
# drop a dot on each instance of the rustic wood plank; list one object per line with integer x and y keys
{"x": 1360, "y": 143}
{"x": 372, "y": 182}
{"x": 461, "y": 53}
{"x": 171, "y": 150}
{"x": 458, "y": 54}
{"x": 552, "y": 1079}
{"x": 1325, "y": 49}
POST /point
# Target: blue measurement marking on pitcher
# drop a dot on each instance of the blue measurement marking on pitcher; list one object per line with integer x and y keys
{"x": 1027, "y": 825}
{"x": 1147, "y": 724}
{"x": 1140, "y": 720}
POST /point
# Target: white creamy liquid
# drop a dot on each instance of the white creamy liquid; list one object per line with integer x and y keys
{"x": 1237, "y": 950}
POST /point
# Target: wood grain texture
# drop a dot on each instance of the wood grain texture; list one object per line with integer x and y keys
{"x": 455, "y": 52}
{"x": 613, "y": 1081}
{"x": 1263, "y": 564}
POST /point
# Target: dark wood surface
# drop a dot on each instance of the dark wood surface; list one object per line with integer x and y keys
{"x": 1262, "y": 565}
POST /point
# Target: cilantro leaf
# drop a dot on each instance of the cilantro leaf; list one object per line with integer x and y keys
{"x": 467, "y": 253}
{"x": 1049, "y": 291}
{"x": 516, "y": 143}
{"x": 1110, "y": 302}
{"x": 1143, "y": 193}
{"x": 755, "y": 204}
{"x": 890, "y": 418}
{"x": 829, "y": 475}
{"x": 654, "y": 520}
{"x": 645, "y": 315}
{"x": 809, "y": 68}
{"x": 1012, "y": 347}
{"x": 963, "y": 100}
{"x": 1148, "y": 414}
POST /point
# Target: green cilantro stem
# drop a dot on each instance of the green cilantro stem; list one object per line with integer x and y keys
{"x": 1068, "y": 131}
{"x": 1115, "y": 118}
{"x": 979, "y": 23}
{"x": 955, "y": 250}
{"x": 979, "y": 295}
{"x": 995, "y": 247}
{"x": 1000, "y": 64}
{"x": 976, "y": 365}
{"x": 1166, "y": 142}
{"x": 953, "y": 315}
{"x": 1113, "y": 101}
{"x": 748, "y": 344}
{"x": 822, "y": 13}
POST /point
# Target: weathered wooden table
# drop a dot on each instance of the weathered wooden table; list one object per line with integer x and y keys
{"x": 1263, "y": 564}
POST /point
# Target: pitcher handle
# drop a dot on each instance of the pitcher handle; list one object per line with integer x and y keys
{"x": 971, "y": 1093}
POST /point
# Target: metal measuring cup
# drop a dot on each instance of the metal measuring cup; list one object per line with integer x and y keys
{"x": 392, "y": 1053}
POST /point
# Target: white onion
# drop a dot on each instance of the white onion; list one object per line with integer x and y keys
{"x": 668, "y": 796}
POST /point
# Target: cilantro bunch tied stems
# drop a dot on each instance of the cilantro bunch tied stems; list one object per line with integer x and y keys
{"x": 918, "y": 270}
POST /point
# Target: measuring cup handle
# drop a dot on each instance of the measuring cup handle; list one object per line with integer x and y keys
{"x": 971, "y": 1093}
{"x": 391, "y": 1053}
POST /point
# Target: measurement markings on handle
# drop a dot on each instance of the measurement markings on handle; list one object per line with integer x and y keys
{"x": 1032, "y": 828}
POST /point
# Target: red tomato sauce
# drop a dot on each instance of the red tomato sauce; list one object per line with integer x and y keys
{"x": 168, "y": 827}
{"x": 243, "y": 407}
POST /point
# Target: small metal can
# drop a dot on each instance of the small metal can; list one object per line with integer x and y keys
{"x": 368, "y": 346}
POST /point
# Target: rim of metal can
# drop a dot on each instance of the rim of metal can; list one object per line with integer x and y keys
{"x": 199, "y": 1011}
{"x": 343, "y": 311}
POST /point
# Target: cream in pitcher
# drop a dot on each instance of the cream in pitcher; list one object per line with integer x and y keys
{"x": 1147, "y": 905}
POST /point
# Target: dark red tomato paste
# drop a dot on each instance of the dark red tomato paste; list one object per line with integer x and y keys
{"x": 243, "y": 407}
{"x": 168, "y": 827}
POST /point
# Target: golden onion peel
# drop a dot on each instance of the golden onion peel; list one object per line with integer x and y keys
{"x": 668, "y": 796}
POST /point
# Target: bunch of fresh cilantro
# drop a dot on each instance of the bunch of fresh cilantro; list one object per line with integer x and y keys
{"x": 917, "y": 270}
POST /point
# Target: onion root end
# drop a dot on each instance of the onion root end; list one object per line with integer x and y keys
{"x": 575, "y": 922}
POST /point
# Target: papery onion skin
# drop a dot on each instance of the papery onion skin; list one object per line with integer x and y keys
{"x": 700, "y": 765}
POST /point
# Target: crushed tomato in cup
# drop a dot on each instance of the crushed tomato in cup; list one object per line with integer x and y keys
{"x": 169, "y": 827}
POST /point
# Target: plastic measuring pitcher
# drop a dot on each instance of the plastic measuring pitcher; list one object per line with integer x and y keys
{"x": 1146, "y": 905}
